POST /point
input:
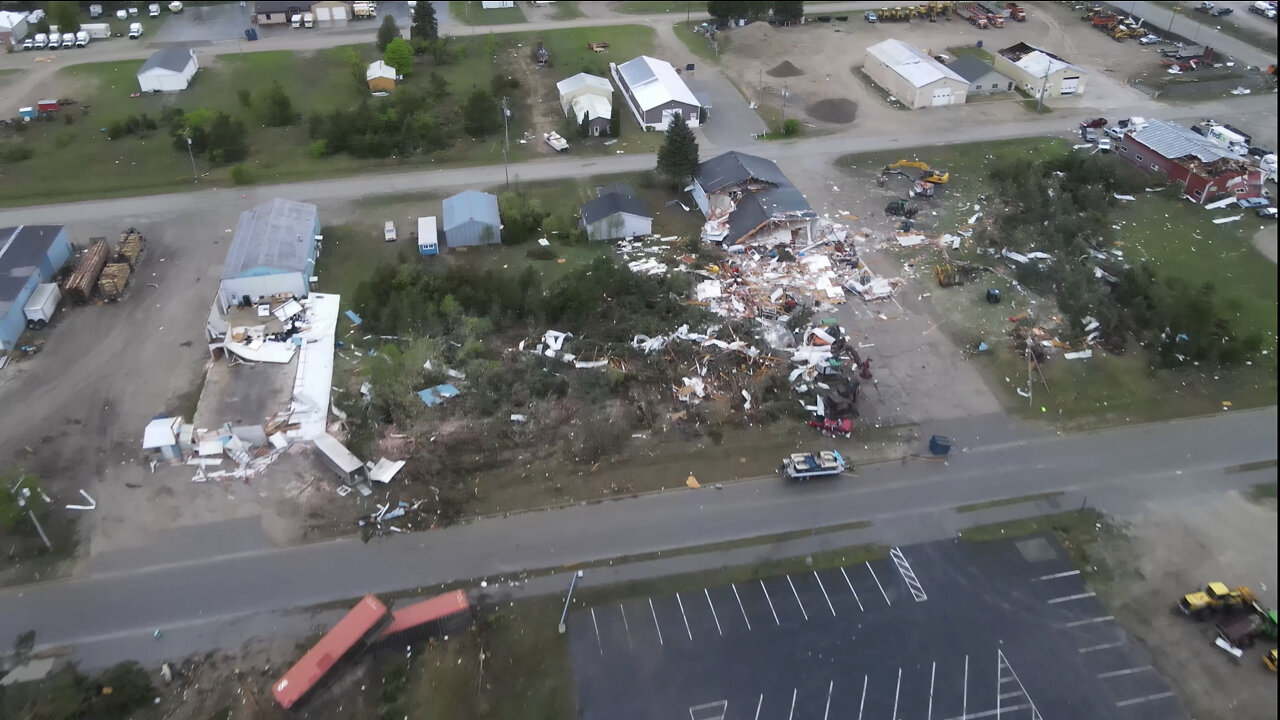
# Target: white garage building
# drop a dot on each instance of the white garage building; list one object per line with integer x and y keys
{"x": 273, "y": 252}
{"x": 168, "y": 70}
{"x": 915, "y": 79}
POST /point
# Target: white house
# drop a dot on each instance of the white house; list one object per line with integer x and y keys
{"x": 616, "y": 214}
{"x": 655, "y": 93}
{"x": 914, "y": 78}
{"x": 168, "y": 70}
{"x": 589, "y": 95}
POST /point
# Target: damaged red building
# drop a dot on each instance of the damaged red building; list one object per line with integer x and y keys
{"x": 1202, "y": 169}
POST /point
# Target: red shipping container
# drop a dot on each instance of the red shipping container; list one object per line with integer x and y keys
{"x": 47, "y": 105}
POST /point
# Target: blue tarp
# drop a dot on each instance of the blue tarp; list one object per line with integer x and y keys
{"x": 354, "y": 318}
{"x": 433, "y": 396}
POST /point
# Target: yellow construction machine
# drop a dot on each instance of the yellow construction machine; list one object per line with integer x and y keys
{"x": 1270, "y": 659}
{"x": 927, "y": 173}
{"x": 1216, "y": 597}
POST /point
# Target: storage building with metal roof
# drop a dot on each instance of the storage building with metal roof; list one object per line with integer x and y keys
{"x": 273, "y": 252}
{"x": 471, "y": 218}
{"x": 29, "y": 255}
{"x": 912, "y": 76}
{"x": 655, "y": 93}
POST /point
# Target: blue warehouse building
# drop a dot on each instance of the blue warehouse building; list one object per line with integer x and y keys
{"x": 29, "y": 255}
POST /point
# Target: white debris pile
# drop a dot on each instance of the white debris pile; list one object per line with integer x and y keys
{"x": 642, "y": 254}
{"x": 551, "y": 345}
{"x": 704, "y": 340}
{"x": 249, "y": 448}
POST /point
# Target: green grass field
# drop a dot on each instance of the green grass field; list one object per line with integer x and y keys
{"x": 698, "y": 44}
{"x": 659, "y": 7}
{"x": 1178, "y": 238}
{"x": 470, "y": 13}
{"x": 565, "y": 10}
{"x": 316, "y": 82}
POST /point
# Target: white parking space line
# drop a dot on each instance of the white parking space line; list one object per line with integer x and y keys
{"x": 1103, "y": 646}
{"x": 933, "y": 671}
{"x": 714, "y": 616}
{"x": 988, "y": 713}
{"x": 792, "y": 714}
{"x": 1149, "y": 698}
{"x": 882, "y": 592}
{"x": 1090, "y": 621}
{"x": 759, "y": 704}
{"x": 830, "y": 686}
{"x": 744, "y": 613}
{"x": 1069, "y": 598}
{"x": 855, "y": 592}
{"x": 863, "y": 702}
{"x": 597, "y": 627}
{"x": 655, "y": 621}
{"x": 824, "y": 593}
{"x": 797, "y": 595}
{"x": 1055, "y": 576}
{"x": 896, "y": 688}
{"x": 770, "y": 601}
{"x": 1119, "y": 673}
{"x": 625, "y": 626}
{"x": 686, "y": 617}
{"x": 1006, "y": 696}
{"x": 908, "y": 575}
{"x": 964, "y": 702}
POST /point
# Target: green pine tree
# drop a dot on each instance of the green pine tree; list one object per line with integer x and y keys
{"x": 584, "y": 129}
{"x": 678, "y": 156}
{"x": 615, "y": 120}
{"x": 424, "y": 25}
{"x": 387, "y": 32}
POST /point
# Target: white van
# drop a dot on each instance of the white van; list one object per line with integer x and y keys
{"x": 135, "y": 31}
{"x": 68, "y": 40}
{"x": 41, "y": 41}
{"x": 295, "y": 21}
{"x": 82, "y": 38}
{"x": 153, "y": 10}
{"x": 55, "y": 40}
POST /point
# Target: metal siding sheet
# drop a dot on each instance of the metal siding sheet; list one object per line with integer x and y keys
{"x": 15, "y": 321}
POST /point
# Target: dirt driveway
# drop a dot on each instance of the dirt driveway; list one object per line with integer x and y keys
{"x": 1174, "y": 548}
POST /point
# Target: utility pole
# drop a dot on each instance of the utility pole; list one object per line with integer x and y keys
{"x": 1044, "y": 85}
{"x": 506, "y": 140}
{"x": 190, "y": 154}
{"x": 784, "y": 103}
{"x": 688, "y": 13}
{"x": 1030, "y": 359}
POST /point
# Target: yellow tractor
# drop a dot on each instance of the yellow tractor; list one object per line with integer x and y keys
{"x": 927, "y": 174}
{"x": 1270, "y": 660}
{"x": 1216, "y": 597}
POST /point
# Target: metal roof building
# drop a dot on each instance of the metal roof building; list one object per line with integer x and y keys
{"x": 655, "y": 93}
{"x": 471, "y": 218}
{"x": 29, "y": 255}
{"x": 983, "y": 78}
{"x": 1035, "y": 71}
{"x": 911, "y": 76}
{"x": 273, "y": 252}
{"x": 168, "y": 70}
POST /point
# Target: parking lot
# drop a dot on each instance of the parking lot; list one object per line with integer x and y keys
{"x": 948, "y": 630}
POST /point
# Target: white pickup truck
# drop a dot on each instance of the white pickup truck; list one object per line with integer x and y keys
{"x": 389, "y": 231}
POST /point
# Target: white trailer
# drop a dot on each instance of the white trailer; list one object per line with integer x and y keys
{"x": 97, "y": 31}
{"x": 41, "y": 305}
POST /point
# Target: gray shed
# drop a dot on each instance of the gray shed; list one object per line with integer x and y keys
{"x": 471, "y": 218}
{"x": 983, "y": 78}
{"x": 616, "y": 214}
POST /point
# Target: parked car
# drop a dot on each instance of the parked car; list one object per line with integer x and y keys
{"x": 870, "y": 17}
{"x": 1115, "y": 132}
{"x": 1150, "y": 40}
{"x": 1268, "y": 212}
{"x": 1089, "y": 134}
{"x": 1104, "y": 145}
{"x": 28, "y": 44}
{"x": 1220, "y": 12}
{"x": 1253, "y": 202}
{"x": 1094, "y": 123}
{"x": 389, "y": 231}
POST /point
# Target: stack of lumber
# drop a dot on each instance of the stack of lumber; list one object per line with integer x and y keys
{"x": 115, "y": 277}
{"x": 80, "y": 284}
{"x": 130, "y": 248}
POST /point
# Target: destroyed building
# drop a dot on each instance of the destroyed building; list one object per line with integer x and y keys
{"x": 747, "y": 200}
{"x": 1038, "y": 71}
{"x": 1203, "y": 169}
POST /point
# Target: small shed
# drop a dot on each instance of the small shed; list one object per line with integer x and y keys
{"x": 471, "y": 218}
{"x": 381, "y": 77}
{"x": 168, "y": 70}
{"x": 340, "y": 459}
{"x": 428, "y": 241}
{"x": 615, "y": 215}
{"x": 161, "y": 438}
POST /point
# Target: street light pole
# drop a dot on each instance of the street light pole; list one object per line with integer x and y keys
{"x": 506, "y": 140}
{"x": 567, "y": 598}
{"x": 190, "y": 154}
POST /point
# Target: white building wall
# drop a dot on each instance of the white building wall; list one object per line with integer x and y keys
{"x": 619, "y": 225}
{"x": 232, "y": 289}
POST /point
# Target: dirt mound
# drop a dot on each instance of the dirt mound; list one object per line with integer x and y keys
{"x": 840, "y": 111}
{"x": 784, "y": 69}
{"x": 747, "y": 39}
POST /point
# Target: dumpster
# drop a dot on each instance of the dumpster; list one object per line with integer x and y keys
{"x": 939, "y": 445}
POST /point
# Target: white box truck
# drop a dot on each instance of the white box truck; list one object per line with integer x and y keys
{"x": 82, "y": 38}
{"x": 41, "y": 305}
{"x": 95, "y": 11}
{"x": 55, "y": 40}
{"x": 97, "y": 31}
{"x": 153, "y": 10}
{"x": 41, "y": 41}
{"x": 296, "y": 20}
{"x": 308, "y": 20}
{"x": 68, "y": 40}
{"x": 122, "y": 14}
{"x": 135, "y": 31}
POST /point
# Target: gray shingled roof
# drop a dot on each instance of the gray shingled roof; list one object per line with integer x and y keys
{"x": 756, "y": 208}
{"x": 970, "y": 67}
{"x": 277, "y": 234}
{"x": 1174, "y": 141}
{"x": 21, "y": 250}
{"x": 733, "y": 168}
{"x": 613, "y": 203}
{"x": 174, "y": 59}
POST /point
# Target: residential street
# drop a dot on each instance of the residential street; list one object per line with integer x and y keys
{"x": 1140, "y": 462}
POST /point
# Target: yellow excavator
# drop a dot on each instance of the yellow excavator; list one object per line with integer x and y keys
{"x": 1271, "y": 660}
{"x": 1215, "y": 598}
{"x": 927, "y": 174}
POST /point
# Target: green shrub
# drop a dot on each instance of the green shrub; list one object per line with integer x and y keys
{"x": 790, "y": 127}
{"x": 241, "y": 175}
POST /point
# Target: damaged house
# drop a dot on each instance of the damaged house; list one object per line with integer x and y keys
{"x": 747, "y": 200}
{"x": 1036, "y": 71}
{"x": 1202, "y": 168}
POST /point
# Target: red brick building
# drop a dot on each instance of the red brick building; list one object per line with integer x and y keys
{"x": 1202, "y": 169}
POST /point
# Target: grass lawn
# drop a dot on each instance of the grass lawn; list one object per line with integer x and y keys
{"x": 565, "y": 11}
{"x": 1078, "y": 531}
{"x": 658, "y": 7}
{"x": 698, "y": 44}
{"x": 1177, "y": 237}
{"x": 316, "y": 81}
{"x": 470, "y": 13}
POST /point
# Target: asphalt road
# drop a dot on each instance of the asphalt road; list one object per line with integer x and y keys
{"x": 1196, "y": 27}
{"x": 963, "y": 126}
{"x": 1149, "y": 461}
